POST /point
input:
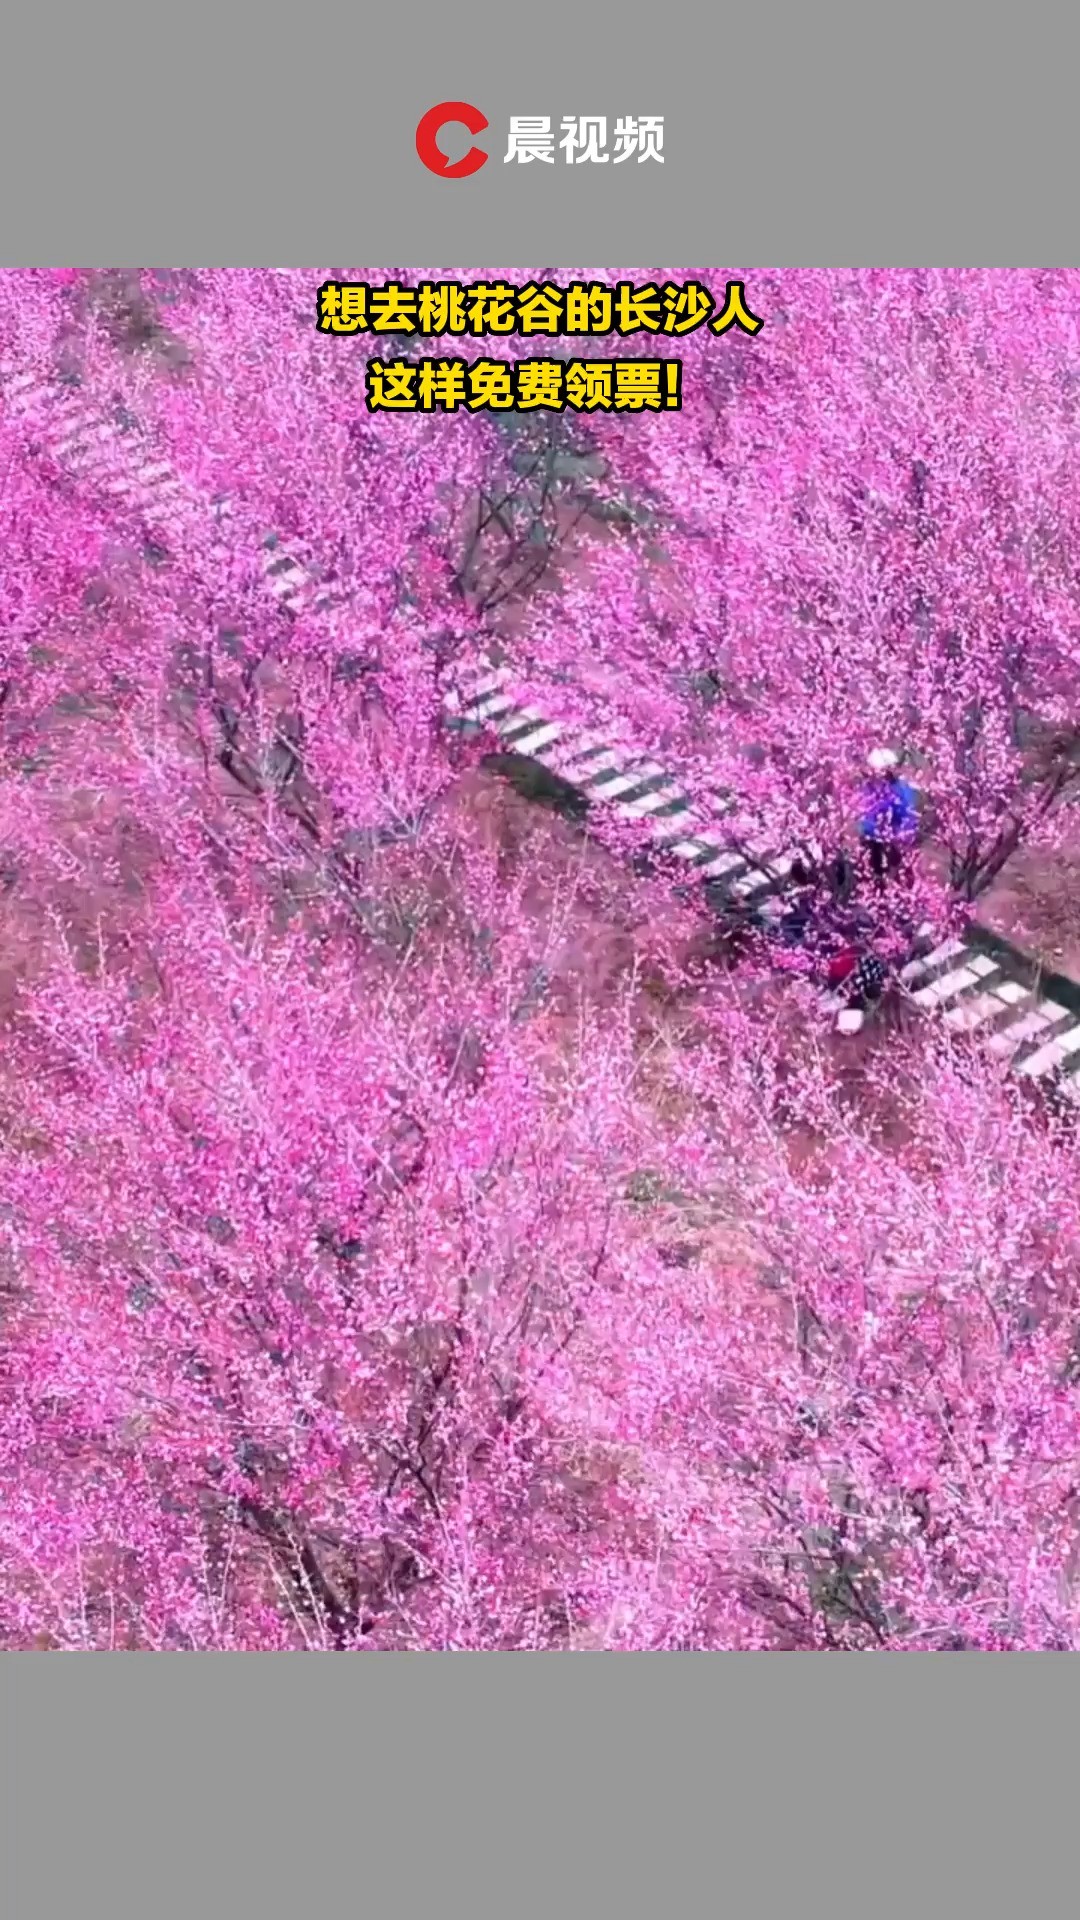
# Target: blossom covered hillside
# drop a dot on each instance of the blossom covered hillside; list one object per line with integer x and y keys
{"x": 406, "y": 1242}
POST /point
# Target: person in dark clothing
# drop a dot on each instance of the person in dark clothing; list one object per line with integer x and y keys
{"x": 825, "y": 921}
{"x": 819, "y": 892}
{"x": 796, "y": 922}
{"x": 861, "y": 979}
{"x": 890, "y": 819}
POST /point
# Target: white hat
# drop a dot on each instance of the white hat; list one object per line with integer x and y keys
{"x": 882, "y": 760}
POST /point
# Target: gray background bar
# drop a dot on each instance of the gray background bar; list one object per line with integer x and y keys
{"x": 798, "y": 135}
{"x": 160, "y": 1785}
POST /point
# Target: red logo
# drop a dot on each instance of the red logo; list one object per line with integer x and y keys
{"x": 450, "y": 113}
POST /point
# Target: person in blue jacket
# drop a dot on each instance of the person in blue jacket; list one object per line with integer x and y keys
{"x": 890, "y": 819}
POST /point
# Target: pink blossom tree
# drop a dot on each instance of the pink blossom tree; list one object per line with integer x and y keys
{"x": 298, "y": 1216}
{"x": 344, "y": 1307}
{"x": 867, "y": 516}
{"x": 364, "y": 1282}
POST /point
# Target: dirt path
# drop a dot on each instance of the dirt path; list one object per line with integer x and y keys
{"x": 1035, "y": 902}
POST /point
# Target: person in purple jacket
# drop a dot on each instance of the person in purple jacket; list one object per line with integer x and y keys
{"x": 890, "y": 818}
